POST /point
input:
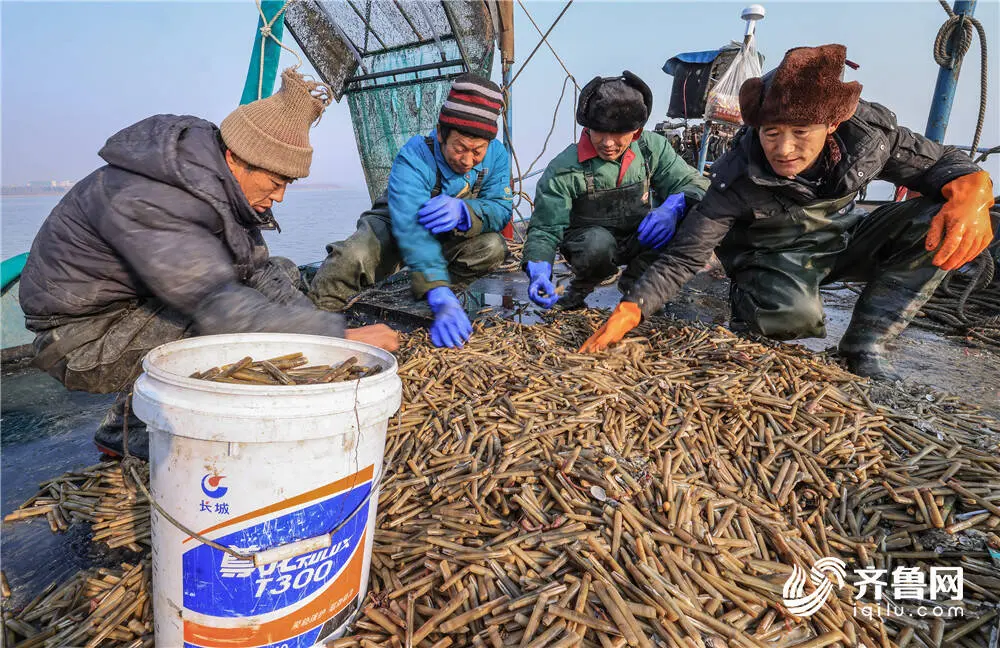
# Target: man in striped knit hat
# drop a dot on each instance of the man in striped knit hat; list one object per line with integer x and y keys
{"x": 447, "y": 201}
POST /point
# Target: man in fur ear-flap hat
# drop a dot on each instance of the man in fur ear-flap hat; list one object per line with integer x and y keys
{"x": 781, "y": 210}
{"x": 614, "y": 198}
{"x": 164, "y": 242}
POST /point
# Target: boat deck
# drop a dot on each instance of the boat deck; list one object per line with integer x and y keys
{"x": 48, "y": 430}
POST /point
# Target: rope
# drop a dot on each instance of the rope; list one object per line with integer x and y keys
{"x": 382, "y": 290}
{"x": 941, "y": 55}
{"x": 552, "y": 128}
{"x": 953, "y": 60}
{"x": 576, "y": 102}
{"x": 516, "y": 249}
{"x": 547, "y": 43}
{"x": 966, "y": 305}
{"x": 130, "y": 463}
{"x": 986, "y": 154}
{"x": 544, "y": 37}
{"x": 265, "y": 33}
{"x": 513, "y": 154}
{"x": 518, "y": 190}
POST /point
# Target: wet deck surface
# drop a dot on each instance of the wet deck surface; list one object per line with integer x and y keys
{"x": 48, "y": 430}
{"x": 921, "y": 357}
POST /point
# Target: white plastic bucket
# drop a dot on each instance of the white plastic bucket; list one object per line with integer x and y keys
{"x": 254, "y": 468}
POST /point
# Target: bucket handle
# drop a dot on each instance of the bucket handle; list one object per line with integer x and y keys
{"x": 291, "y": 550}
{"x": 267, "y": 556}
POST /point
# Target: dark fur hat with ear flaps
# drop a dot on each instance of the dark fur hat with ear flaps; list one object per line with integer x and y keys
{"x": 807, "y": 87}
{"x": 615, "y": 104}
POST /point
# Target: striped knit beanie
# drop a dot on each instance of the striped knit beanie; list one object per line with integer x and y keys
{"x": 273, "y": 133}
{"x": 472, "y": 107}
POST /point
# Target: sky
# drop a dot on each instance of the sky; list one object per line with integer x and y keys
{"x": 74, "y": 73}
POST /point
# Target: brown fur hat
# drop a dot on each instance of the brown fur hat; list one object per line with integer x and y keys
{"x": 805, "y": 88}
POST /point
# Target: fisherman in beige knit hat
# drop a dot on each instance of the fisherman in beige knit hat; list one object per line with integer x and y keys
{"x": 164, "y": 242}
{"x": 273, "y": 133}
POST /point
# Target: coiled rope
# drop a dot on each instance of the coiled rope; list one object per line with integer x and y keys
{"x": 949, "y": 61}
{"x": 967, "y": 305}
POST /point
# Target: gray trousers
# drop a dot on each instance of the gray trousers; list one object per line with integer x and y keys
{"x": 371, "y": 254}
{"x": 103, "y": 353}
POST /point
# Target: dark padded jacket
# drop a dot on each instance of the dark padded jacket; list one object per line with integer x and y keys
{"x": 745, "y": 190}
{"x": 163, "y": 219}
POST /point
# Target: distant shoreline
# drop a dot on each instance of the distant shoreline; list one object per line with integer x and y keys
{"x": 21, "y": 192}
{"x": 320, "y": 186}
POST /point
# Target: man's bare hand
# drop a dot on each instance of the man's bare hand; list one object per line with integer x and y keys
{"x": 378, "y": 335}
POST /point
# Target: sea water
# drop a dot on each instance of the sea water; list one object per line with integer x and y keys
{"x": 309, "y": 219}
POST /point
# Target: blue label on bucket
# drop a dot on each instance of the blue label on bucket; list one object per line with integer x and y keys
{"x": 296, "y": 601}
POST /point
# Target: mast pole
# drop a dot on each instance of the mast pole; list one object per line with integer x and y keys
{"x": 505, "y": 39}
{"x": 506, "y": 43}
{"x": 947, "y": 80}
{"x": 261, "y": 76}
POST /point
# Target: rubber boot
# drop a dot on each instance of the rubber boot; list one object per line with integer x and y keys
{"x": 110, "y": 435}
{"x": 575, "y": 296}
{"x": 625, "y": 285}
{"x": 739, "y": 327}
{"x": 885, "y": 308}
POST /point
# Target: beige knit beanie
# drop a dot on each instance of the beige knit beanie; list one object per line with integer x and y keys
{"x": 273, "y": 133}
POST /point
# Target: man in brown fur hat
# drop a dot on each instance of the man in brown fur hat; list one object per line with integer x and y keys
{"x": 781, "y": 210}
{"x": 164, "y": 242}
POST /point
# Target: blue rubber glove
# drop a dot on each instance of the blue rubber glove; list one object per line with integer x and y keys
{"x": 659, "y": 225}
{"x": 541, "y": 290}
{"x": 444, "y": 213}
{"x": 451, "y": 327}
